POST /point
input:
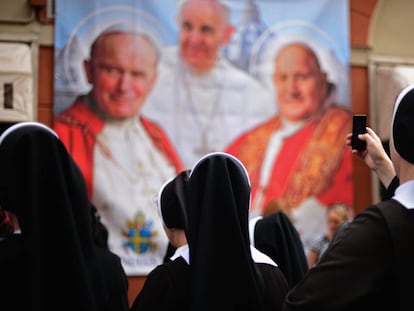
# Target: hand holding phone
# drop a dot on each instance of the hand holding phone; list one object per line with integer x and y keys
{"x": 359, "y": 124}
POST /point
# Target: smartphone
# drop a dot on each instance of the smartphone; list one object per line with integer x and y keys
{"x": 359, "y": 124}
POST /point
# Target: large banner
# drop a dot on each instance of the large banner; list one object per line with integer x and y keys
{"x": 145, "y": 88}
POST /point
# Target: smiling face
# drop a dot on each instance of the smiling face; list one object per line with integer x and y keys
{"x": 122, "y": 70}
{"x": 301, "y": 85}
{"x": 203, "y": 29}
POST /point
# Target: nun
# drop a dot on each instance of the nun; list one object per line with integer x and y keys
{"x": 52, "y": 261}
{"x": 369, "y": 264}
{"x": 227, "y": 273}
{"x": 167, "y": 285}
{"x": 276, "y": 236}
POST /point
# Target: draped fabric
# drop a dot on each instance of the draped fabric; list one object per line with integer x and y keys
{"x": 44, "y": 188}
{"x": 223, "y": 275}
{"x": 276, "y": 236}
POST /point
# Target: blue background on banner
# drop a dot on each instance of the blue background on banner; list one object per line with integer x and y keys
{"x": 329, "y": 15}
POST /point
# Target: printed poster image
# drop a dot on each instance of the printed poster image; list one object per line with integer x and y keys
{"x": 181, "y": 104}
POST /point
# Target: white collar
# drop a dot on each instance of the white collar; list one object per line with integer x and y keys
{"x": 405, "y": 194}
{"x": 259, "y": 257}
{"x": 182, "y": 251}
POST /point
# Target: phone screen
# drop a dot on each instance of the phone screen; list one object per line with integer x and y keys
{"x": 359, "y": 125}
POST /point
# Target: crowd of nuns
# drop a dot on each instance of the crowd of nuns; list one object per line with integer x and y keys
{"x": 51, "y": 258}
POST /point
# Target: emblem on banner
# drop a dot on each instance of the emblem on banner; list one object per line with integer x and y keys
{"x": 139, "y": 234}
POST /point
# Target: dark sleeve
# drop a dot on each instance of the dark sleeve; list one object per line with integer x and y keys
{"x": 165, "y": 288}
{"x": 276, "y": 287}
{"x": 116, "y": 282}
{"x": 276, "y": 236}
{"x": 389, "y": 192}
{"x": 354, "y": 269}
{"x": 152, "y": 294}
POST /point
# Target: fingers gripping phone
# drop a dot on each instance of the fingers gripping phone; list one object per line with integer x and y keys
{"x": 359, "y": 124}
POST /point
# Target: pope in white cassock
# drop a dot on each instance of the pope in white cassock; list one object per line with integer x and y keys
{"x": 124, "y": 157}
{"x": 200, "y": 99}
